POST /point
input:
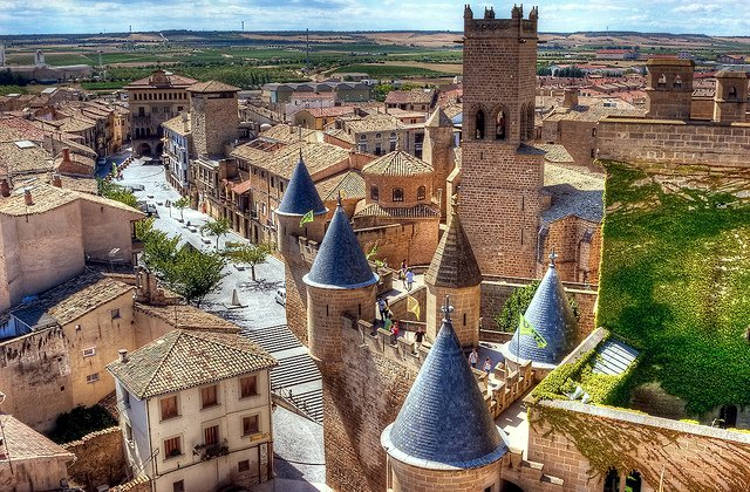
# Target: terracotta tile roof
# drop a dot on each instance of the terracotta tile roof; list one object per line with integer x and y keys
{"x": 398, "y": 163}
{"x": 178, "y": 125}
{"x": 287, "y": 133}
{"x": 454, "y": 264}
{"x": 184, "y": 359}
{"x": 256, "y": 150}
{"x": 556, "y": 153}
{"x": 75, "y": 183}
{"x": 212, "y": 86}
{"x": 420, "y": 211}
{"x": 169, "y": 79}
{"x": 73, "y": 299}
{"x": 593, "y": 109}
{"x": 188, "y": 317}
{"x": 75, "y": 125}
{"x": 24, "y": 443}
{"x": 375, "y": 122}
{"x": 317, "y": 157}
{"x": 414, "y": 96}
{"x": 340, "y": 134}
{"x": 350, "y": 184}
{"x": 330, "y": 111}
{"x": 16, "y": 158}
{"x": 47, "y": 197}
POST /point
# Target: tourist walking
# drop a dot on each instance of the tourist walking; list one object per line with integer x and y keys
{"x": 419, "y": 335}
{"x": 487, "y": 366}
{"x": 409, "y": 279}
{"x": 382, "y": 307}
{"x": 402, "y": 270}
{"x": 473, "y": 358}
{"x": 394, "y": 332}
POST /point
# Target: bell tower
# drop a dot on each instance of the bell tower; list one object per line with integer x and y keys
{"x": 502, "y": 175}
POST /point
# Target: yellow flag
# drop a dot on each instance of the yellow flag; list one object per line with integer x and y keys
{"x": 412, "y": 305}
{"x": 307, "y": 218}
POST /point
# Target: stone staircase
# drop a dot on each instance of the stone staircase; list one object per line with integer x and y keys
{"x": 274, "y": 338}
{"x": 294, "y": 370}
{"x": 529, "y": 474}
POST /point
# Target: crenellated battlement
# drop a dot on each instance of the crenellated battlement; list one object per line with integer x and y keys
{"x": 490, "y": 26}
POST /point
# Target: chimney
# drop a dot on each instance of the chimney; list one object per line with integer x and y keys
{"x": 4, "y": 187}
{"x": 27, "y": 197}
{"x": 66, "y": 154}
{"x": 57, "y": 181}
{"x": 570, "y": 99}
{"x": 123, "y": 355}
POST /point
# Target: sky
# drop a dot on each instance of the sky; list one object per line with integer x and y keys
{"x": 716, "y": 17}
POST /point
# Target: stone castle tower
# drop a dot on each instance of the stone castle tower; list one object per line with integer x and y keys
{"x": 214, "y": 117}
{"x": 300, "y": 198}
{"x": 669, "y": 87}
{"x": 730, "y": 99}
{"x": 502, "y": 177}
{"x": 454, "y": 271}
{"x": 444, "y": 438}
{"x": 437, "y": 151}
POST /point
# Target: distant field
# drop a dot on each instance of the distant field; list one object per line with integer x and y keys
{"x": 395, "y": 70}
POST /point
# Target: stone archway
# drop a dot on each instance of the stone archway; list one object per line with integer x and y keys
{"x": 143, "y": 149}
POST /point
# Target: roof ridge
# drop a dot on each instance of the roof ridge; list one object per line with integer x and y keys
{"x": 192, "y": 333}
{"x": 163, "y": 359}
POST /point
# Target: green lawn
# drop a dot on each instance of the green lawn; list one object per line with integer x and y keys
{"x": 675, "y": 281}
{"x": 391, "y": 71}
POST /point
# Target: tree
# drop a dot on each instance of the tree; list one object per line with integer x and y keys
{"x": 249, "y": 254}
{"x": 116, "y": 192}
{"x": 181, "y": 205}
{"x": 160, "y": 251}
{"x": 216, "y": 228}
{"x": 194, "y": 274}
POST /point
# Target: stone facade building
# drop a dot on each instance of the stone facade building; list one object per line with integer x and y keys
{"x": 153, "y": 100}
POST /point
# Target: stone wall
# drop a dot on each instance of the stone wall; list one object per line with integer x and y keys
{"x": 577, "y": 242}
{"x": 415, "y": 241}
{"x": 214, "y": 118}
{"x": 673, "y": 142}
{"x": 100, "y": 458}
{"x": 579, "y": 443}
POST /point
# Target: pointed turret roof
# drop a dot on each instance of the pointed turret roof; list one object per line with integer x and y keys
{"x": 439, "y": 119}
{"x": 340, "y": 262}
{"x": 444, "y": 422}
{"x": 301, "y": 196}
{"x": 453, "y": 265}
{"x": 550, "y": 315}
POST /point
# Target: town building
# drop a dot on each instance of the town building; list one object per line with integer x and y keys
{"x": 344, "y": 92}
{"x": 29, "y": 461}
{"x": 195, "y": 410}
{"x": 153, "y": 100}
{"x": 320, "y": 118}
{"x": 414, "y": 100}
{"x": 178, "y": 150}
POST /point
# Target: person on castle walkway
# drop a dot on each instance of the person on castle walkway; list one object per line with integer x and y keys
{"x": 409, "y": 279}
{"x": 419, "y": 335}
{"x": 394, "y": 332}
{"x": 382, "y": 307}
{"x": 473, "y": 358}
{"x": 487, "y": 367}
{"x": 387, "y": 322}
{"x": 402, "y": 270}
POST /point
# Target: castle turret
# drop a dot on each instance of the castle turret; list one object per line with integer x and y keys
{"x": 730, "y": 99}
{"x": 443, "y": 438}
{"x": 669, "y": 88}
{"x": 436, "y": 151}
{"x": 340, "y": 282}
{"x": 454, "y": 271}
{"x": 298, "y": 201}
{"x": 548, "y": 327}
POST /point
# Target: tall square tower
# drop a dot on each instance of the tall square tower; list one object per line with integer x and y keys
{"x": 502, "y": 176}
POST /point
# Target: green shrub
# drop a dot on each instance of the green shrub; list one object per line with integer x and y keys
{"x": 80, "y": 421}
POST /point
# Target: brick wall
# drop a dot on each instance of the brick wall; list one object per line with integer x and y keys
{"x": 407, "y": 478}
{"x": 577, "y": 243}
{"x": 674, "y": 142}
{"x": 688, "y": 456}
{"x": 465, "y": 314}
{"x": 100, "y": 458}
{"x": 214, "y": 121}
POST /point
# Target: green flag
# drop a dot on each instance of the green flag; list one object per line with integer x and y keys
{"x": 526, "y": 328}
{"x": 307, "y": 218}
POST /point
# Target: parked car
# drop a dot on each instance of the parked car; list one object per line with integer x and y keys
{"x": 280, "y": 296}
{"x": 137, "y": 187}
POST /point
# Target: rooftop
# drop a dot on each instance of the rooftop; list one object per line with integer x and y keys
{"x": 184, "y": 359}
{"x": 24, "y": 443}
{"x": 340, "y": 262}
{"x": 47, "y": 197}
{"x": 375, "y": 122}
{"x": 413, "y": 96}
{"x": 187, "y": 317}
{"x": 317, "y": 156}
{"x": 420, "y": 211}
{"x": 575, "y": 191}
{"x": 454, "y": 264}
{"x": 350, "y": 185}
{"x": 212, "y": 86}
{"x": 160, "y": 79}
{"x": 444, "y": 422}
{"x": 398, "y": 163}
{"x": 178, "y": 125}
{"x": 288, "y": 133}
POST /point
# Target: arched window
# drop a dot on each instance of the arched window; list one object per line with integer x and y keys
{"x": 500, "y": 125}
{"x": 662, "y": 82}
{"x": 633, "y": 482}
{"x": 421, "y": 193}
{"x": 677, "y": 82}
{"x": 398, "y": 195}
{"x": 374, "y": 193}
{"x": 732, "y": 92}
{"x": 479, "y": 123}
{"x": 378, "y": 135}
{"x": 363, "y": 137}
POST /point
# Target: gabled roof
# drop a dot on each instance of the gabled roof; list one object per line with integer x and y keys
{"x": 212, "y": 86}
{"x": 439, "y": 119}
{"x": 413, "y": 96}
{"x": 398, "y": 163}
{"x": 444, "y": 422}
{"x": 301, "y": 196}
{"x": 24, "y": 443}
{"x": 350, "y": 184}
{"x": 184, "y": 359}
{"x": 550, "y": 315}
{"x": 454, "y": 264}
{"x": 340, "y": 262}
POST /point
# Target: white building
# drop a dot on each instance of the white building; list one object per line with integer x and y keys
{"x": 195, "y": 411}
{"x": 178, "y": 149}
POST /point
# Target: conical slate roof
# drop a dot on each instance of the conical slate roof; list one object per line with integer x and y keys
{"x": 301, "y": 196}
{"x": 550, "y": 315}
{"x": 340, "y": 262}
{"x": 453, "y": 265}
{"x": 438, "y": 119}
{"x": 444, "y": 422}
